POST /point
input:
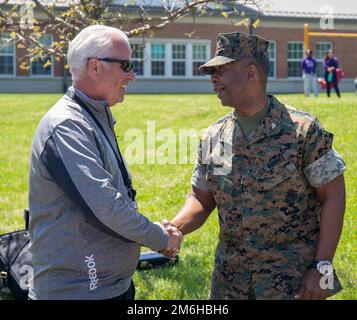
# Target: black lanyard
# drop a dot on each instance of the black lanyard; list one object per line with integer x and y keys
{"x": 118, "y": 156}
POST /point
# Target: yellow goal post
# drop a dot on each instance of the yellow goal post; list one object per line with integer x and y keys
{"x": 308, "y": 34}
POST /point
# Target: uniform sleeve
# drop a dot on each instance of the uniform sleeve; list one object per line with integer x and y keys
{"x": 73, "y": 159}
{"x": 321, "y": 162}
{"x": 199, "y": 175}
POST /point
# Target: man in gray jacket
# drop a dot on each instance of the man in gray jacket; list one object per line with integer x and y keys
{"x": 85, "y": 227}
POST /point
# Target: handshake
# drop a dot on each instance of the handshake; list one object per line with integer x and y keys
{"x": 175, "y": 239}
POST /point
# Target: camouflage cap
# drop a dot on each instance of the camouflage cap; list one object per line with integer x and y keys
{"x": 236, "y": 46}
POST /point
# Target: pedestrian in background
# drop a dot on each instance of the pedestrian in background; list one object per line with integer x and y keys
{"x": 308, "y": 66}
{"x": 331, "y": 64}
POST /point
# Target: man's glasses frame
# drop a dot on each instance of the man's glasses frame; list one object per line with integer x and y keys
{"x": 126, "y": 65}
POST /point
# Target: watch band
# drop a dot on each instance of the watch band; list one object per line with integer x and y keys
{"x": 320, "y": 263}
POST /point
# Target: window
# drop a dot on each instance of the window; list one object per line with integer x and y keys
{"x": 199, "y": 57}
{"x": 138, "y": 58}
{"x": 272, "y": 59}
{"x": 166, "y": 58}
{"x": 43, "y": 66}
{"x": 157, "y": 59}
{"x": 295, "y": 55}
{"x": 321, "y": 49}
{"x": 7, "y": 55}
{"x": 178, "y": 60}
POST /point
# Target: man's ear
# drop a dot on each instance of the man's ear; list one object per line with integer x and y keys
{"x": 253, "y": 72}
{"x": 93, "y": 68}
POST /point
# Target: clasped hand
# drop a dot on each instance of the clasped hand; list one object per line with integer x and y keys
{"x": 175, "y": 239}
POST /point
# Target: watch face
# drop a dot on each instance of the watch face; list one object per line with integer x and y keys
{"x": 324, "y": 267}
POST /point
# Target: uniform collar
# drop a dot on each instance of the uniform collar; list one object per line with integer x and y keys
{"x": 270, "y": 125}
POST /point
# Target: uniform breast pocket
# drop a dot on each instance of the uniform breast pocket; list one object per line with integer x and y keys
{"x": 224, "y": 189}
{"x": 282, "y": 185}
{"x": 278, "y": 173}
{"x": 282, "y": 190}
{"x": 216, "y": 170}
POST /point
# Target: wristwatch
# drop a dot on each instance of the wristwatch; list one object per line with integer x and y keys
{"x": 322, "y": 266}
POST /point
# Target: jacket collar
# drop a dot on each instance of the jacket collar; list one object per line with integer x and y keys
{"x": 100, "y": 107}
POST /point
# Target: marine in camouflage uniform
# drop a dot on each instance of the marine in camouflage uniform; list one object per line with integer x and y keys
{"x": 265, "y": 190}
{"x": 267, "y": 205}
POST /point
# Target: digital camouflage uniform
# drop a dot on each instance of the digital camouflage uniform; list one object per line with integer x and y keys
{"x": 267, "y": 204}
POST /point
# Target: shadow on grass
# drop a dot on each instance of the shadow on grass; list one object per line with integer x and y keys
{"x": 187, "y": 279}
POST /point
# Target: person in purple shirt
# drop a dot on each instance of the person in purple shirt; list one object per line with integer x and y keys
{"x": 308, "y": 66}
{"x": 331, "y": 64}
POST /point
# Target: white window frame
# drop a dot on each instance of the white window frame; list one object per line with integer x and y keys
{"x": 2, "y": 75}
{"x": 52, "y": 65}
{"x": 138, "y": 59}
{"x": 168, "y": 56}
{"x": 179, "y": 59}
{"x": 318, "y": 59}
{"x": 208, "y": 53}
{"x": 274, "y": 60}
{"x": 167, "y": 52}
{"x": 294, "y": 59}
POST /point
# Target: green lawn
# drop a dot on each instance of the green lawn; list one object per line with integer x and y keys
{"x": 162, "y": 188}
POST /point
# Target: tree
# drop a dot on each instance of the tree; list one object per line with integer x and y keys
{"x": 28, "y": 21}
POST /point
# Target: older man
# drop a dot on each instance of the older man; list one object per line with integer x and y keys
{"x": 85, "y": 227}
{"x": 276, "y": 181}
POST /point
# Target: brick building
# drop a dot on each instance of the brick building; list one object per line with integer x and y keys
{"x": 168, "y": 62}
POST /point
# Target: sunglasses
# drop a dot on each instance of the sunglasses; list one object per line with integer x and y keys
{"x": 126, "y": 65}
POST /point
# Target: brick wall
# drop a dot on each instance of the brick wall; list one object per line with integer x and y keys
{"x": 345, "y": 48}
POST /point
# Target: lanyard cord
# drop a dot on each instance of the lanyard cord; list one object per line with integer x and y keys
{"x": 121, "y": 165}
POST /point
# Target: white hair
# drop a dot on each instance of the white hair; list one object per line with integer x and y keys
{"x": 92, "y": 41}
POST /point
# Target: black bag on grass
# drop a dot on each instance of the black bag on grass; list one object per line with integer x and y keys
{"x": 16, "y": 262}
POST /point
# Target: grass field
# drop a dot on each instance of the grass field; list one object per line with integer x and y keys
{"x": 163, "y": 188}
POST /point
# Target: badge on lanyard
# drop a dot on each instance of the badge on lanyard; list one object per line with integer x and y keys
{"x": 135, "y": 205}
{"x": 132, "y": 194}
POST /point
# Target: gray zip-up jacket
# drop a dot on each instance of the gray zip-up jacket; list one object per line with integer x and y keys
{"x": 85, "y": 233}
